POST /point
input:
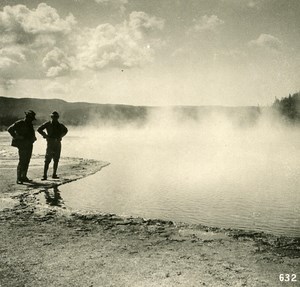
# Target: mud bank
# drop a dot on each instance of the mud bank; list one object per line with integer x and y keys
{"x": 46, "y": 245}
{"x": 70, "y": 169}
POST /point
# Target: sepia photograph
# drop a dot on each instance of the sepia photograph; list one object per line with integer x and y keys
{"x": 149, "y": 143}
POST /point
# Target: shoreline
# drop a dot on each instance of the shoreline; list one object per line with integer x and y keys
{"x": 209, "y": 256}
{"x": 37, "y": 187}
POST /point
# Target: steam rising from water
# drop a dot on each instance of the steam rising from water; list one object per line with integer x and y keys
{"x": 210, "y": 171}
{"x": 216, "y": 139}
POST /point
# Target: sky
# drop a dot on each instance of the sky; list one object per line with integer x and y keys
{"x": 151, "y": 52}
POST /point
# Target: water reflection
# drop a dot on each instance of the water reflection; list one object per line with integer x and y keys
{"x": 53, "y": 197}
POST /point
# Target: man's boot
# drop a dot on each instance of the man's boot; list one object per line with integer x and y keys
{"x": 19, "y": 177}
{"x": 46, "y": 166}
{"x": 24, "y": 175}
{"x": 55, "y": 166}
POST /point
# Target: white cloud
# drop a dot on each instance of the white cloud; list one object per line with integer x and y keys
{"x": 266, "y": 41}
{"x": 57, "y": 63}
{"x": 22, "y": 24}
{"x": 141, "y": 22}
{"x": 15, "y": 54}
{"x": 10, "y": 58}
{"x": 207, "y": 23}
{"x": 38, "y": 43}
{"x": 7, "y": 84}
{"x": 122, "y": 45}
{"x": 27, "y": 35}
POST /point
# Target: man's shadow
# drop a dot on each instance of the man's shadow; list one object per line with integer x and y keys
{"x": 36, "y": 184}
{"x": 53, "y": 197}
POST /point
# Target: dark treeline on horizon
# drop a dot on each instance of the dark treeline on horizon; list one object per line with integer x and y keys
{"x": 289, "y": 107}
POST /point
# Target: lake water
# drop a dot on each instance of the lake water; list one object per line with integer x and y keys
{"x": 214, "y": 174}
{"x": 217, "y": 175}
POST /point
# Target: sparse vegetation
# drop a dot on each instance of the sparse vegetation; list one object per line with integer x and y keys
{"x": 289, "y": 107}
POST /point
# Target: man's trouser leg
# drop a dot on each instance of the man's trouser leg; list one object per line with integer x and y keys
{"x": 20, "y": 163}
{"x": 19, "y": 175}
{"x": 55, "y": 166}
{"x": 48, "y": 158}
{"x": 46, "y": 166}
{"x": 28, "y": 155}
{"x": 56, "y": 157}
{"x": 24, "y": 160}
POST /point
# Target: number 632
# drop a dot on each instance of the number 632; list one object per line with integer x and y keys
{"x": 288, "y": 278}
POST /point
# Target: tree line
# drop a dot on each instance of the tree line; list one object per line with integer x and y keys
{"x": 289, "y": 107}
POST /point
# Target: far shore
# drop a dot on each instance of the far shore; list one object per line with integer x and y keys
{"x": 47, "y": 245}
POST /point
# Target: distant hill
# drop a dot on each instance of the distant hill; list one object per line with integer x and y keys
{"x": 81, "y": 113}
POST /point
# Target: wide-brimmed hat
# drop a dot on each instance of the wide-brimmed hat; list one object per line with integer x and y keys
{"x": 30, "y": 113}
{"x": 55, "y": 114}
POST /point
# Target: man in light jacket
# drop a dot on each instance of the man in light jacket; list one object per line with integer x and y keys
{"x": 55, "y": 131}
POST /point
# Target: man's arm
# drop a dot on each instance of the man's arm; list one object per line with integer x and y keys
{"x": 12, "y": 130}
{"x": 41, "y": 129}
{"x": 64, "y": 130}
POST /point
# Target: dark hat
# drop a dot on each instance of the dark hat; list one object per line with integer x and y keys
{"x": 55, "y": 114}
{"x": 31, "y": 114}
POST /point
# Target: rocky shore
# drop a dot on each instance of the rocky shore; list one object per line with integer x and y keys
{"x": 47, "y": 245}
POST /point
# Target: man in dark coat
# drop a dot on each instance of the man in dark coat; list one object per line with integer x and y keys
{"x": 23, "y": 135}
{"x": 55, "y": 132}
